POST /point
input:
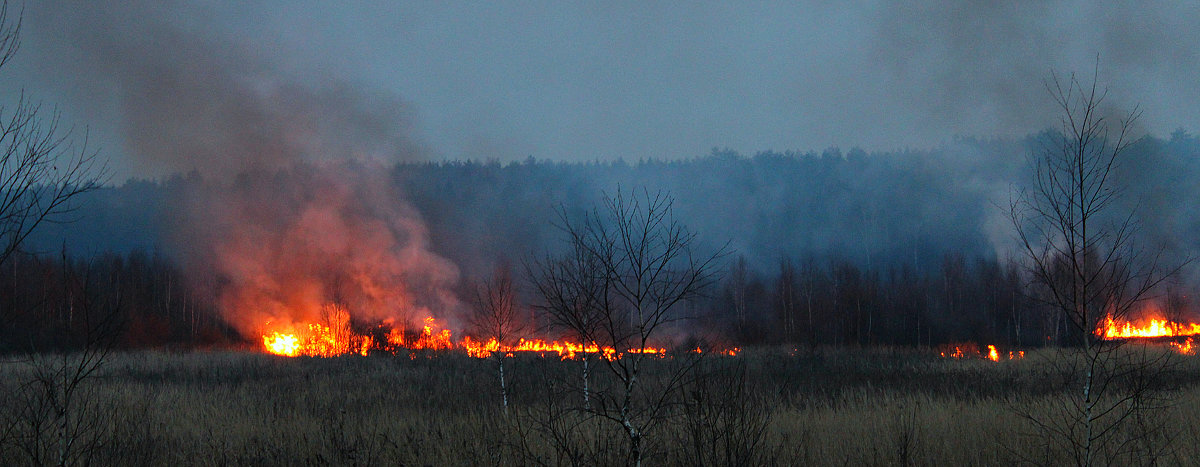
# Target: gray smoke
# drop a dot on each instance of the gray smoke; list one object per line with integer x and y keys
{"x": 955, "y": 60}
{"x": 298, "y": 212}
{"x": 579, "y": 82}
{"x": 223, "y": 87}
{"x": 189, "y": 94}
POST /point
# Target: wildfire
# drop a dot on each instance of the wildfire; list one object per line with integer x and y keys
{"x": 971, "y": 350}
{"x": 565, "y": 350}
{"x": 282, "y": 344}
{"x": 1184, "y": 347}
{"x": 317, "y": 340}
{"x": 427, "y": 340}
{"x": 1155, "y": 328}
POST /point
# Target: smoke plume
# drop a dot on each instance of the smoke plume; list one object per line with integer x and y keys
{"x": 295, "y": 212}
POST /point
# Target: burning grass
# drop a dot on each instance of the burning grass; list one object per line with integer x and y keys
{"x": 829, "y": 407}
{"x": 1111, "y": 329}
{"x": 336, "y": 337}
{"x": 972, "y": 350}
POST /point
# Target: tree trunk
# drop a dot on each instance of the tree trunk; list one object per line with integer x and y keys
{"x": 631, "y": 430}
{"x": 503, "y": 386}
{"x": 587, "y": 403}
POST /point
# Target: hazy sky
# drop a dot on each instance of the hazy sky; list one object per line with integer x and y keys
{"x": 172, "y": 85}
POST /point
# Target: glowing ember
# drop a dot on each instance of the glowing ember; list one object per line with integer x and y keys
{"x": 957, "y": 353}
{"x": 1184, "y": 347}
{"x": 971, "y": 350}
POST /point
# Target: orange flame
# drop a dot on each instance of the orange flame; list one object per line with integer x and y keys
{"x": 971, "y": 350}
{"x": 1184, "y": 347}
{"x": 326, "y": 341}
{"x": 282, "y": 344}
{"x": 1154, "y": 328}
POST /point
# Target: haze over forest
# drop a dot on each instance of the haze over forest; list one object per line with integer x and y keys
{"x": 287, "y": 154}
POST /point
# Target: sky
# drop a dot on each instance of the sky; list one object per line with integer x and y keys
{"x": 220, "y": 86}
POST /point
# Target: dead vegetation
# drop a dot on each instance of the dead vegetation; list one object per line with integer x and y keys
{"x": 764, "y": 407}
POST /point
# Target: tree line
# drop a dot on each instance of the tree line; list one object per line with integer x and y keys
{"x": 828, "y": 248}
{"x": 803, "y": 302}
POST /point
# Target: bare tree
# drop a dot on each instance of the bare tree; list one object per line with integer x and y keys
{"x": 569, "y": 286}
{"x": 808, "y": 281}
{"x": 739, "y": 282}
{"x": 1082, "y": 253}
{"x": 787, "y": 298}
{"x": 630, "y": 268}
{"x": 497, "y": 318}
{"x": 52, "y": 417}
{"x": 42, "y": 170}
{"x": 724, "y": 422}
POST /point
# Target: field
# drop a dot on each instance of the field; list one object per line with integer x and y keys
{"x": 765, "y": 406}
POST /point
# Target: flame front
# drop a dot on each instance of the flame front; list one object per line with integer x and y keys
{"x": 318, "y": 340}
{"x": 1154, "y": 328}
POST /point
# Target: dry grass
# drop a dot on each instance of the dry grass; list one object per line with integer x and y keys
{"x": 864, "y": 407}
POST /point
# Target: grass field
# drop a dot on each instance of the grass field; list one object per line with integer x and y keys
{"x": 766, "y": 406}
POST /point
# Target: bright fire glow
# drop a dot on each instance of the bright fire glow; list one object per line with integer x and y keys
{"x": 1154, "y": 328}
{"x": 282, "y": 344}
{"x": 971, "y": 350}
{"x": 316, "y": 340}
{"x": 1184, "y": 347}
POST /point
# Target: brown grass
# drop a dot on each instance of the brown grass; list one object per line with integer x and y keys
{"x": 860, "y": 407}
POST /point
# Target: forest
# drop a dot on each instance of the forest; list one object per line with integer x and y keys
{"x": 903, "y": 248}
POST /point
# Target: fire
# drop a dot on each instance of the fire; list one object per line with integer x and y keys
{"x": 317, "y": 340}
{"x": 1184, "y": 347}
{"x": 282, "y": 344}
{"x": 957, "y": 353}
{"x": 427, "y": 340}
{"x": 1154, "y": 328}
{"x": 971, "y": 350}
{"x": 565, "y": 350}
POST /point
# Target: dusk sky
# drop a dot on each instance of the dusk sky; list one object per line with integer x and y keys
{"x": 166, "y": 86}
